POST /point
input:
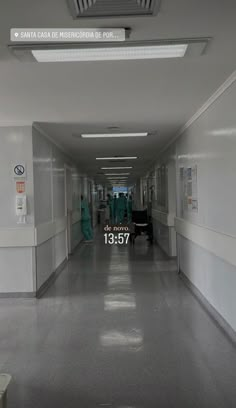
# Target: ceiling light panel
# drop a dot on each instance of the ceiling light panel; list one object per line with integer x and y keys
{"x": 117, "y": 174}
{"x": 110, "y": 53}
{"x": 107, "y": 135}
{"x": 117, "y": 158}
{"x": 116, "y": 168}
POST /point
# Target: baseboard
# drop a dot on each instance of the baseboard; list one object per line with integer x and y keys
{"x": 220, "y": 322}
{"x": 18, "y": 295}
{"x": 52, "y": 278}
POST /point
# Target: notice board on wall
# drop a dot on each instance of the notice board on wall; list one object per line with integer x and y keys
{"x": 188, "y": 189}
{"x": 162, "y": 187}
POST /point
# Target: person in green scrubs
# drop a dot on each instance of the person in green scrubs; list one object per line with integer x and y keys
{"x": 121, "y": 207}
{"x": 86, "y": 221}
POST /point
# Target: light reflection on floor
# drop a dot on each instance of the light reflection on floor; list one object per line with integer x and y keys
{"x": 114, "y": 338}
{"x": 119, "y": 301}
{"x": 118, "y": 280}
{"x": 120, "y": 268}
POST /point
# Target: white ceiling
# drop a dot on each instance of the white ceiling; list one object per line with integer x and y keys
{"x": 158, "y": 96}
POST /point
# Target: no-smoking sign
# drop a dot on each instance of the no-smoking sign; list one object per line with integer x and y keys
{"x": 19, "y": 170}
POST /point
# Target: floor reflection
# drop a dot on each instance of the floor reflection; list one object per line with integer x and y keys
{"x": 119, "y": 280}
{"x": 121, "y": 268}
{"x": 119, "y": 301}
{"x": 113, "y": 338}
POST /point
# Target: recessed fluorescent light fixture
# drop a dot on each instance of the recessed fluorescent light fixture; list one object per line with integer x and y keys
{"x": 107, "y": 135}
{"x": 129, "y": 50}
{"x": 117, "y": 158}
{"x": 116, "y": 168}
{"x": 135, "y": 52}
{"x": 117, "y": 174}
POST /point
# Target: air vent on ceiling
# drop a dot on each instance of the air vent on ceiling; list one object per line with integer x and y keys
{"x": 113, "y": 8}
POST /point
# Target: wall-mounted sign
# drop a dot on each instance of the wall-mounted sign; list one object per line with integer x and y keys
{"x": 188, "y": 189}
{"x": 19, "y": 170}
{"x": 20, "y": 187}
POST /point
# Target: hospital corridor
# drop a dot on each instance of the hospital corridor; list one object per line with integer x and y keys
{"x": 117, "y": 204}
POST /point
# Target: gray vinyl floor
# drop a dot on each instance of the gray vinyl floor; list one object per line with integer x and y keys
{"x": 118, "y": 329}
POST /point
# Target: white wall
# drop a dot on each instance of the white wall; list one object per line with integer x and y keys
{"x": 164, "y": 211}
{"x": 207, "y": 237}
{"x": 16, "y": 241}
{"x": 76, "y": 210}
{"x": 31, "y": 252}
{"x": 215, "y": 278}
{"x": 50, "y": 205}
{"x": 16, "y": 147}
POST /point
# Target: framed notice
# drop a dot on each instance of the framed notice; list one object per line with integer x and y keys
{"x": 194, "y": 189}
{"x": 181, "y": 191}
{"x": 188, "y": 189}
